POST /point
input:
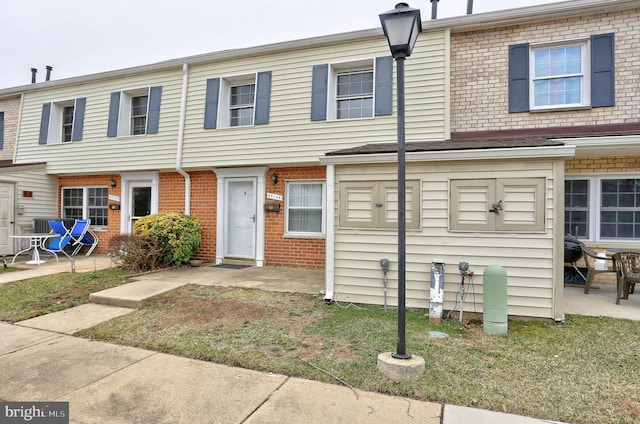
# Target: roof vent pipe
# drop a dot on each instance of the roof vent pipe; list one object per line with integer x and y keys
{"x": 49, "y": 69}
{"x": 469, "y": 7}
{"x": 34, "y": 71}
{"x": 434, "y": 9}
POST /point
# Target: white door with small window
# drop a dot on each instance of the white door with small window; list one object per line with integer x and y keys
{"x": 241, "y": 218}
{"x": 7, "y": 218}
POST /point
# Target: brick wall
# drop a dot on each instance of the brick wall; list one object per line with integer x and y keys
{"x": 609, "y": 164}
{"x": 11, "y": 109}
{"x": 203, "y": 206}
{"x": 479, "y": 73}
{"x": 113, "y": 217}
{"x": 295, "y": 252}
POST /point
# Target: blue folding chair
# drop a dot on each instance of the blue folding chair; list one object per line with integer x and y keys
{"x": 58, "y": 244}
{"x": 82, "y": 236}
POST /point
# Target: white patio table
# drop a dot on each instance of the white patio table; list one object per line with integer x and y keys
{"x": 36, "y": 242}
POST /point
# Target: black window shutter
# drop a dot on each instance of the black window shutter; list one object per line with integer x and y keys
{"x": 44, "y": 123}
{"x": 384, "y": 85}
{"x": 519, "y": 78}
{"x": 114, "y": 112}
{"x": 602, "y": 70}
{"x": 153, "y": 114}
{"x": 319, "y": 86}
{"x": 1, "y": 130}
{"x": 211, "y": 103}
{"x": 78, "y": 119}
{"x": 263, "y": 98}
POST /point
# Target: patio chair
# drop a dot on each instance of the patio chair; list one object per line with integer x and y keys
{"x": 58, "y": 244}
{"x": 81, "y": 235}
{"x": 590, "y": 258}
{"x": 629, "y": 273}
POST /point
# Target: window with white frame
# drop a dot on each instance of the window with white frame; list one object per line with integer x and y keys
{"x": 352, "y": 87}
{"x": 86, "y": 203}
{"x": 62, "y": 121}
{"x": 560, "y": 75}
{"x": 134, "y": 112}
{"x": 305, "y": 208}
{"x": 609, "y": 206}
{"x": 241, "y": 105}
{"x": 139, "y": 114}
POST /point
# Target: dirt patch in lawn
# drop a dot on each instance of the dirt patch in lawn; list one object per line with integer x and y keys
{"x": 277, "y": 324}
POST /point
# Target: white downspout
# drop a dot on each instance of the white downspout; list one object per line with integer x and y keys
{"x": 183, "y": 111}
{"x": 330, "y": 238}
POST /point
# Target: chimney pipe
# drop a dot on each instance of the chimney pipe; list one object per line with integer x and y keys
{"x": 34, "y": 71}
{"x": 434, "y": 9}
{"x": 49, "y": 69}
{"x": 469, "y": 7}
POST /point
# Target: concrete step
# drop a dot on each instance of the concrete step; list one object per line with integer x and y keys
{"x": 134, "y": 295}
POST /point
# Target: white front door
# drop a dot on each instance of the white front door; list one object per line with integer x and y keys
{"x": 241, "y": 218}
{"x": 7, "y": 218}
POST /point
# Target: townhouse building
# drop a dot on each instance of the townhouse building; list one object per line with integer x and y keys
{"x": 286, "y": 153}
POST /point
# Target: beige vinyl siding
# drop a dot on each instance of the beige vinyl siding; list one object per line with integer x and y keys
{"x": 44, "y": 202}
{"x": 96, "y": 152}
{"x": 528, "y": 257}
{"x": 291, "y": 137}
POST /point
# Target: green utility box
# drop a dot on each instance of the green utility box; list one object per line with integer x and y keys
{"x": 495, "y": 300}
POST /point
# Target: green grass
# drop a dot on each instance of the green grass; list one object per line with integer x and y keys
{"x": 584, "y": 370}
{"x": 37, "y": 296}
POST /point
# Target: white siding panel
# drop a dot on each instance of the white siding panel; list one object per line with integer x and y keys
{"x": 528, "y": 258}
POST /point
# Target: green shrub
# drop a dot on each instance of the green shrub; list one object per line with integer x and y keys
{"x": 179, "y": 234}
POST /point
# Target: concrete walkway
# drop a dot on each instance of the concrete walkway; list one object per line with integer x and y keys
{"x": 41, "y": 361}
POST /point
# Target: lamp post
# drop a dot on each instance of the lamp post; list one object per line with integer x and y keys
{"x": 401, "y": 27}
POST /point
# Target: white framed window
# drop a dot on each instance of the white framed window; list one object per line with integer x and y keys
{"x": 62, "y": 121}
{"x": 603, "y": 208}
{"x": 560, "y": 75}
{"x": 305, "y": 208}
{"x": 351, "y": 90}
{"x": 134, "y": 112}
{"x": 237, "y": 101}
{"x": 86, "y": 203}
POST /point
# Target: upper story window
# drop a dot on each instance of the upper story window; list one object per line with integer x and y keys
{"x": 134, "y": 112}
{"x": 241, "y": 105}
{"x": 62, "y": 121}
{"x": 139, "y": 115}
{"x": 560, "y": 75}
{"x": 239, "y": 101}
{"x": 354, "y": 94}
{"x": 353, "y": 90}
{"x": 567, "y": 75}
{"x": 603, "y": 208}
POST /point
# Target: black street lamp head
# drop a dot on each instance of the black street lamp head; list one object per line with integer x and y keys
{"x": 401, "y": 27}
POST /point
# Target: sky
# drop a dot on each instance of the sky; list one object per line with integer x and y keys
{"x": 81, "y": 37}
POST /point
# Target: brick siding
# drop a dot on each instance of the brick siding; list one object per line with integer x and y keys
{"x": 11, "y": 109}
{"x": 480, "y": 62}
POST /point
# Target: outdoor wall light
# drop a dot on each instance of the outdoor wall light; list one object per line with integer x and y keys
{"x": 112, "y": 182}
{"x": 401, "y": 27}
{"x": 274, "y": 178}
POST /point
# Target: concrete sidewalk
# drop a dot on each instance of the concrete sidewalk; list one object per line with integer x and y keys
{"x": 106, "y": 383}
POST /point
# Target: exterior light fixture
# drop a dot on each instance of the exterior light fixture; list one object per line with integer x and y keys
{"x": 274, "y": 178}
{"x": 401, "y": 27}
{"x": 112, "y": 182}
